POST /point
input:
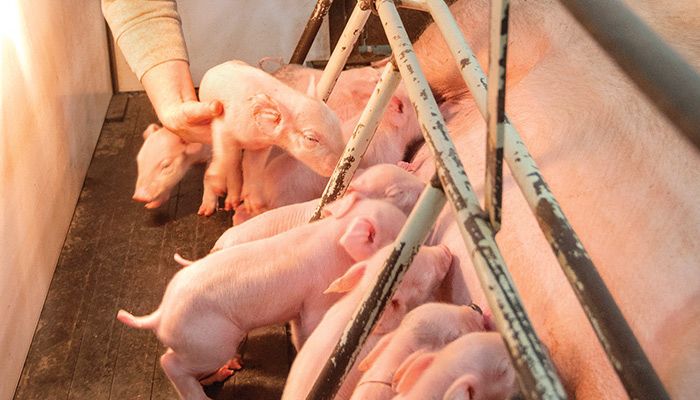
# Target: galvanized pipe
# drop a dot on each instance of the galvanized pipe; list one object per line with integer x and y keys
{"x": 310, "y": 31}
{"x": 361, "y": 136}
{"x": 406, "y": 245}
{"x": 665, "y": 77}
{"x": 623, "y": 349}
{"x": 498, "y": 47}
{"x": 342, "y": 50}
{"x": 536, "y": 373}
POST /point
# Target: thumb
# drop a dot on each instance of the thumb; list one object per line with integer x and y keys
{"x": 196, "y": 112}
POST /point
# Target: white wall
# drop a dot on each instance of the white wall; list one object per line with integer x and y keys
{"x": 222, "y": 30}
{"x": 55, "y": 88}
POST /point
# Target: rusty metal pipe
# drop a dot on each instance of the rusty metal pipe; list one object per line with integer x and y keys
{"x": 361, "y": 137}
{"x": 406, "y": 245}
{"x": 623, "y": 350}
{"x": 536, "y": 373}
{"x": 498, "y": 47}
{"x": 342, "y": 50}
{"x": 310, "y": 31}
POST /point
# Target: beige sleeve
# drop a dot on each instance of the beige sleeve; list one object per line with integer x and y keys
{"x": 148, "y": 32}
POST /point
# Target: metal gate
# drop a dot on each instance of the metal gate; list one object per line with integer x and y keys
{"x": 614, "y": 26}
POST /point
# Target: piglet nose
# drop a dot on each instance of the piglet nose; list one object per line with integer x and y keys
{"x": 141, "y": 196}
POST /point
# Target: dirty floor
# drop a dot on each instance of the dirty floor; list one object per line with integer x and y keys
{"x": 119, "y": 255}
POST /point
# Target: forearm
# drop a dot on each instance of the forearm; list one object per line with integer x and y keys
{"x": 168, "y": 84}
{"x": 150, "y": 36}
{"x": 149, "y": 33}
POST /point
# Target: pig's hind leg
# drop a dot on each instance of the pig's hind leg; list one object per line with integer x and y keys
{"x": 208, "y": 344}
{"x": 185, "y": 382}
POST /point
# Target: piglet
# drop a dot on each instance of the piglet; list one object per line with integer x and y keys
{"x": 162, "y": 161}
{"x": 261, "y": 111}
{"x": 475, "y": 366}
{"x": 209, "y": 306}
{"x": 284, "y": 179}
{"x": 428, "y": 327}
{"x": 383, "y": 181}
{"x": 428, "y": 269}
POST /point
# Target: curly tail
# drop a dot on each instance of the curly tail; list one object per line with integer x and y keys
{"x": 181, "y": 260}
{"x": 149, "y": 321}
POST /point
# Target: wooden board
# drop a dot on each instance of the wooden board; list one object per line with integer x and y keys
{"x": 119, "y": 255}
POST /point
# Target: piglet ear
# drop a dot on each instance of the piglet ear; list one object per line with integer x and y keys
{"x": 358, "y": 239}
{"x": 311, "y": 89}
{"x": 396, "y": 111}
{"x": 374, "y": 354}
{"x": 341, "y": 206}
{"x": 150, "y": 129}
{"x": 406, "y": 166}
{"x": 411, "y": 370}
{"x": 464, "y": 388}
{"x": 267, "y": 114}
{"x": 349, "y": 280}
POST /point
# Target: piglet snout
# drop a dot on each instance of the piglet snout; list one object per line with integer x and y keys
{"x": 141, "y": 195}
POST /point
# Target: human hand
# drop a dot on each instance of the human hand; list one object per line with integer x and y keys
{"x": 191, "y": 120}
{"x": 171, "y": 91}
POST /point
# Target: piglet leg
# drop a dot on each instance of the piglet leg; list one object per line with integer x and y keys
{"x": 209, "y": 199}
{"x": 254, "y": 162}
{"x": 186, "y": 385}
{"x": 224, "y": 174}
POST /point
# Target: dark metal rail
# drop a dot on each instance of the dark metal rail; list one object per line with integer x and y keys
{"x": 676, "y": 93}
{"x": 412, "y": 235}
{"x": 664, "y": 76}
{"x": 498, "y": 41}
{"x": 535, "y": 370}
{"x": 310, "y": 31}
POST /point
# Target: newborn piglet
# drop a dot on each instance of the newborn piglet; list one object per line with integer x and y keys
{"x": 425, "y": 274}
{"x": 475, "y": 366}
{"x": 209, "y": 306}
{"x": 429, "y": 327}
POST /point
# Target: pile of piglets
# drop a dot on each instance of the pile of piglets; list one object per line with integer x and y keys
{"x": 273, "y": 148}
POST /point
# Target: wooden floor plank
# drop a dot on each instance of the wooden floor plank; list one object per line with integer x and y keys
{"x": 52, "y": 357}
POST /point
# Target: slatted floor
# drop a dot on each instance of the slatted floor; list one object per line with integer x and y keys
{"x": 119, "y": 255}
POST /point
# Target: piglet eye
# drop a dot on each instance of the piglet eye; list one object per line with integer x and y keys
{"x": 310, "y": 138}
{"x": 166, "y": 163}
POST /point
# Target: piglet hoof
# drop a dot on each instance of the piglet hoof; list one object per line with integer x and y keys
{"x": 206, "y": 209}
{"x": 224, "y": 372}
{"x": 240, "y": 216}
{"x": 219, "y": 376}
{"x": 231, "y": 203}
{"x": 235, "y": 363}
{"x": 253, "y": 206}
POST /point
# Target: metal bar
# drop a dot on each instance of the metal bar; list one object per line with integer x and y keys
{"x": 615, "y": 335}
{"x": 342, "y": 50}
{"x": 537, "y": 375}
{"x": 493, "y": 188}
{"x": 406, "y": 246}
{"x": 361, "y": 136}
{"x": 665, "y": 77}
{"x": 310, "y": 31}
